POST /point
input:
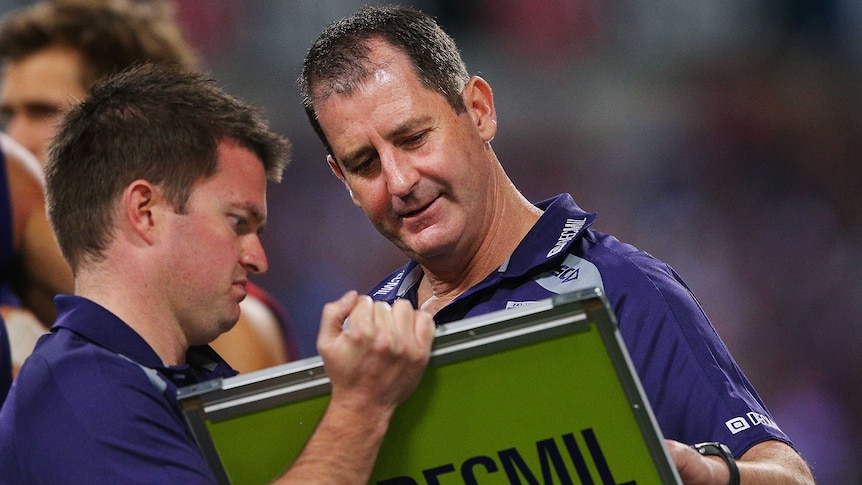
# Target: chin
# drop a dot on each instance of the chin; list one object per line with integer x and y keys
{"x": 426, "y": 245}
{"x": 434, "y": 249}
{"x": 228, "y": 324}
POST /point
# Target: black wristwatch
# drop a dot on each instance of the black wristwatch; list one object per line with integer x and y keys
{"x": 714, "y": 448}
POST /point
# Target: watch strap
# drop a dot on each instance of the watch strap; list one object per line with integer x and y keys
{"x": 714, "y": 448}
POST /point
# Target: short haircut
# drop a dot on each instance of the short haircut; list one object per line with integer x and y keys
{"x": 110, "y": 35}
{"x": 150, "y": 122}
{"x": 338, "y": 61}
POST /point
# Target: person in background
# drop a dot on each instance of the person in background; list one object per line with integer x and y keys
{"x": 409, "y": 131}
{"x": 156, "y": 189}
{"x": 5, "y": 362}
{"x": 52, "y": 51}
{"x": 32, "y": 269}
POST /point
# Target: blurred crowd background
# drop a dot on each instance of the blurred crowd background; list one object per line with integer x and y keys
{"x": 725, "y": 138}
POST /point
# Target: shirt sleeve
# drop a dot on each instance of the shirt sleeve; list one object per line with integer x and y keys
{"x": 696, "y": 390}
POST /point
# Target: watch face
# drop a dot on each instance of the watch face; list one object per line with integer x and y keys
{"x": 713, "y": 449}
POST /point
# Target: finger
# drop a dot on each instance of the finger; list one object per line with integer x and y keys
{"x": 333, "y": 316}
{"x": 361, "y": 317}
{"x": 383, "y": 312}
{"x": 385, "y": 336}
{"x": 425, "y": 329}
{"x": 415, "y": 326}
{"x": 403, "y": 314}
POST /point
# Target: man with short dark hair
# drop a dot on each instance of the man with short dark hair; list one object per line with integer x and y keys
{"x": 156, "y": 188}
{"x": 409, "y": 134}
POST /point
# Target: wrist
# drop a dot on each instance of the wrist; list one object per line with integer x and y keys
{"x": 720, "y": 450}
{"x": 357, "y": 408}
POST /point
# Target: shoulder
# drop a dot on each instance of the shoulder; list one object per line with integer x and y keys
{"x": 74, "y": 396}
{"x": 74, "y": 372}
{"x": 627, "y": 270}
{"x": 655, "y": 309}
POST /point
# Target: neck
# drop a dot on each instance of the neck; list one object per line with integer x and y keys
{"x": 138, "y": 311}
{"x": 512, "y": 218}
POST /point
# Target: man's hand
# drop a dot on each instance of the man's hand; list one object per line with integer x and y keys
{"x": 767, "y": 462}
{"x": 374, "y": 363}
{"x": 379, "y": 358}
{"x": 696, "y": 469}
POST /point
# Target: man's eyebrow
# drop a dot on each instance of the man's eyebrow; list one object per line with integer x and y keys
{"x": 350, "y": 159}
{"x": 407, "y": 127}
{"x": 253, "y": 213}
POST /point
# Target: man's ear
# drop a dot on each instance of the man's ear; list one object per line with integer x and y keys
{"x": 140, "y": 206}
{"x": 479, "y": 100}
{"x": 336, "y": 170}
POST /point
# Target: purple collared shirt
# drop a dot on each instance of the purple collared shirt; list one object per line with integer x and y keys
{"x": 94, "y": 404}
{"x": 696, "y": 390}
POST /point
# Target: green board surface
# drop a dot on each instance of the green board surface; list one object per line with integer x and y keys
{"x": 548, "y": 411}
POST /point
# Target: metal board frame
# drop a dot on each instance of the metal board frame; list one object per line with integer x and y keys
{"x": 529, "y": 332}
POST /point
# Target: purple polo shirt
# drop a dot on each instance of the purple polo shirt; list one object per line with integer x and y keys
{"x": 94, "y": 404}
{"x": 696, "y": 390}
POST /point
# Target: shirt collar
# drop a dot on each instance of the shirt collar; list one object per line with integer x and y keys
{"x": 97, "y": 324}
{"x": 561, "y": 223}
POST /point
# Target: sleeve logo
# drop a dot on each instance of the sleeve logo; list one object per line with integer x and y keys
{"x": 742, "y": 423}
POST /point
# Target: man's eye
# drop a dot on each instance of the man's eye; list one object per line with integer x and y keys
{"x": 44, "y": 111}
{"x": 240, "y": 224}
{"x": 365, "y": 166}
{"x": 416, "y": 139}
